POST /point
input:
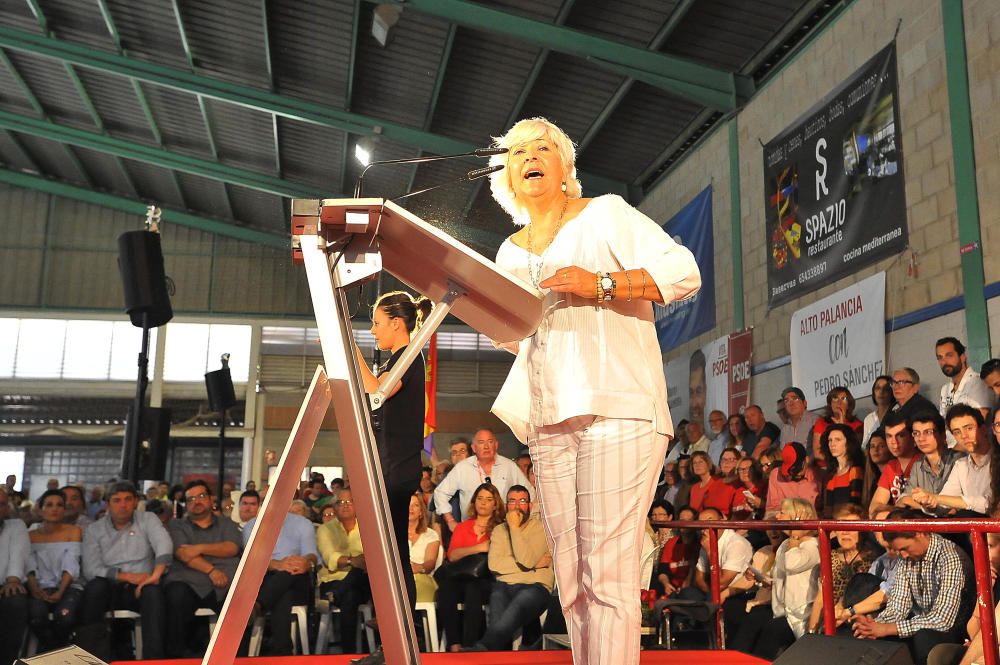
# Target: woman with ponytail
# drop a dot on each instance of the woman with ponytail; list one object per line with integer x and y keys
{"x": 399, "y": 424}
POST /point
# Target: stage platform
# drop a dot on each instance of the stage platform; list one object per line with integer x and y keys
{"x": 562, "y": 657}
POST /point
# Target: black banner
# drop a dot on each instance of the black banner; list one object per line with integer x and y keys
{"x": 834, "y": 185}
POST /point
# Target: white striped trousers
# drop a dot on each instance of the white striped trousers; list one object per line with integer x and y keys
{"x": 595, "y": 479}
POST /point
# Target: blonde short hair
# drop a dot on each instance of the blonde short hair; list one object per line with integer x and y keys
{"x": 531, "y": 129}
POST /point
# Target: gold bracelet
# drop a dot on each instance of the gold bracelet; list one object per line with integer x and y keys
{"x": 628, "y": 280}
{"x": 599, "y": 293}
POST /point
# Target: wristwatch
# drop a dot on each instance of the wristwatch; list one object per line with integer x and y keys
{"x": 607, "y": 287}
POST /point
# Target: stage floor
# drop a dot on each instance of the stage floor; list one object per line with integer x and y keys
{"x": 654, "y": 657}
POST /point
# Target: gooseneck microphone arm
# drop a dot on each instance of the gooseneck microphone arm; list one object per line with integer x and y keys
{"x": 478, "y": 152}
{"x": 474, "y": 174}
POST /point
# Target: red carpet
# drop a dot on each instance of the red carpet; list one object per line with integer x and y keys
{"x": 495, "y": 658}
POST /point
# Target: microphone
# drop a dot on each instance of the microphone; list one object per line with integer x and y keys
{"x": 474, "y": 174}
{"x": 478, "y": 152}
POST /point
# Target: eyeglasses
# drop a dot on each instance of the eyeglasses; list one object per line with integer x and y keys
{"x": 996, "y": 426}
{"x": 196, "y": 497}
{"x": 901, "y": 381}
{"x": 344, "y": 502}
{"x": 924, "y": 433}
{"x": 520, "y": 502}
{"x": 839, "y": 398}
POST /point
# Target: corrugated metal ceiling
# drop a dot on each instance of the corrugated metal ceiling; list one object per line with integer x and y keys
{"x": 447, "y": 80}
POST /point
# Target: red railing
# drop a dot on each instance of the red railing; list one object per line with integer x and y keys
{"x": 975, "y": 528}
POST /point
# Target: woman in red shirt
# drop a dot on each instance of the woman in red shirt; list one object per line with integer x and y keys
{"x": 842, "y": 450}
{"x": 708, "y": 491}
{"x": 839, "y": 410}
{"x": 471, "y": 537}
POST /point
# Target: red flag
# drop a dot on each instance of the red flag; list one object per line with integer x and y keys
{"x": 430, "y": 396}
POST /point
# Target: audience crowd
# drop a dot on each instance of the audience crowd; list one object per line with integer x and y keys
{"x": 477, "y": 541}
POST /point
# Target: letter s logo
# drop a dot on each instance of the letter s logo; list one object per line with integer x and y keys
{"x": 821, "y": 175}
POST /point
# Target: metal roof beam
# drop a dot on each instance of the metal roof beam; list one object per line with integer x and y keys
{"x": 138, "y": 208}
{"x": 156, "y": 156}
{"x": 261, "y": 100}
{"x": 706, "y": 85}
{"x": 345, "y": 154}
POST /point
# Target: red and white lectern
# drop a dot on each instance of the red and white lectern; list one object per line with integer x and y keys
{"x": 343, "y": 242}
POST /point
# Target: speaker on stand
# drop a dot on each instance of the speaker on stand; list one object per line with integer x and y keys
{"x": 147, "y": 301}
{"x": 221, "y": 398}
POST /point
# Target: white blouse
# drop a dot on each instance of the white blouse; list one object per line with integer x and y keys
{"x": 418, "y": 548}
{"x": 590, "y": 359}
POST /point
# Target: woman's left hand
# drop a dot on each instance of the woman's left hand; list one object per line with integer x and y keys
{"x": 572, "y": 279}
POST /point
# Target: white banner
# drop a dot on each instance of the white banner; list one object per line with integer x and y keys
{"x": 840, "y": 341}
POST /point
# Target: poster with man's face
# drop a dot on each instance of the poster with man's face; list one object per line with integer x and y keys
{"x": 699, "y": 383}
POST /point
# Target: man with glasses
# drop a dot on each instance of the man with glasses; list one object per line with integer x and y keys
{"x": 206, "y": 553}
{"x": 932, "y": 470}
{"x": 520, "y": 559}
{"x": 800, "y": 421}
{"x": 968, "y": 490}
{"x": 906, "y": 390}
{"x": 345, "y": 576}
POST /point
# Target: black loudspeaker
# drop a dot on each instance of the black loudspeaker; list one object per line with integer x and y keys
{"x": 154, "y": 443}
{"x": 825, "y": 650}
{"x": 140, "y": 261}
{"x": 221, "y": 395}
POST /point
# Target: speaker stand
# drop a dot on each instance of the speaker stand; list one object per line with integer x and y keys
{"x": 133, "y": 428}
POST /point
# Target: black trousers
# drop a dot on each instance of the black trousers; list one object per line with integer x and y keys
{"x": 278, "y": 593}
{"x": 399, "y": 512}
{"x": 466, "y": 627}
{"x": 101, "y": 595}
{"x": 776, "y": 637}
{"x": 182, "y": 602}
{"x": 54, "y": 633}
{"x": 749, "y": 628}
{"x": 348, "y": 594}
{"x": 922, "y": 641}
{"x": 14, "y": 619}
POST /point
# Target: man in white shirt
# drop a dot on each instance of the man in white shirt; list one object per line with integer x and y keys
{"x": 696, "y": 435}
{"x": 968, "y": 488}
{"x": 14, "y": 552}
{"x": 965, "y": 386}
{"x": 735, "y": 553}
{"x": 470, "y": 473}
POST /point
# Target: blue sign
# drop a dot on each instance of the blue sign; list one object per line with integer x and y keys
{"x": 680, "y": 321}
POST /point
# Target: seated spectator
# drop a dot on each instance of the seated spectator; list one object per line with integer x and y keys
{"x": 161, "y": 509}
{"x": 751, "y": 491}
{"x": 719, "y": 433}
{"x": 761, "y": 434}
{"x": 894, "y": 478}
{"x": 932, "y": 596}
{"x": 679, "y": 444}
{"x": 698, "y": 442}
{"x": 470, "y": 537}
{"x": 839, "y": 411}
{"x": 520, "y": 559}
{"x": 848, "y": 559}
{"x": 344, "y": 576}
{"x": 671, "y": 482}
{"x": 96, "y": 504}
{"x": 660, "y": 513}
{"x": 683, "y": 495}
{"x": 299, "y": 507}
{"x": 738, "y": 432}
{"x": 842, "y": 450}
{"x": 673, "y": 572}
{"x": 734, "y": 552}
{"x": 76, "y": 506}
{"x": 15, "y": 549}
{"x": 427, "y": 485}
{"x": 206, "y": 553}
{"x": 709, "y": 491}
{"x": 795, "y": 582}
{"x": 54, "y": 574}
{"x": 969, "y": 487}
{"x": 249, "y": 506}
{"x": 800, "y": 421}
{"x": 426, "y": 553}
{"x": 287, "y": 581}
{"x": 883, "y": 400}
{"x": 990, "y": 374}
{"x": 746, "y": 603}
{"x": 906, "y": 390}
{"x": 876, "y": 457}
{"x": 884, "y": 570}
{"x": 314, "y": 498}
{"x": 125, "y": 554}
{"x": 929, "y": 475}
{"x": 728, "y": 460}
{"x": 795, "y": 479}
